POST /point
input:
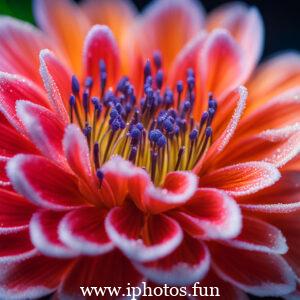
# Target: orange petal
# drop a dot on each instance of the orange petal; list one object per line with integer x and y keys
{"x": 275, "y": 76}
{"x": 160, "y": 19}
{"x": 20, "y": 46}
{"x": 66, "y": 24}
{"x": 245, "y": 25}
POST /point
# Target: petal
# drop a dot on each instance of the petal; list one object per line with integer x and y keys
{"x": 159, "y": 20}
{"x": 99, "y": 45}
{"x": 222, "y": 66}
{"x": 245, "y": 25}
{"x": 242, "y": 179}
{"x": 56, "y": 189}
{"x": 31, "y": 278}
{"x": 111, "y": 269}
{"x": 140, "y": 238}
{"x": 210, "y": 214}
{"x": 15, "y": 211}
{"x": 187, "y": 264}
{"x": 257, "y": 273}
{"x": 15, "y": 245}
{"x": 83, "y": 230}
{"x": 277, "y": 75}
{"x": 43, "y": 127}
{"x": 282, "y": 197}
{"x": 259, "y": 236}
{"x": 77, "y": 152}
{"x": 57, "y": 82}
{"x": 20, "y": 46}
{"x": 64, "y": 22}
{"x": 13, "y": 88}
{"x": 44, "y": 234}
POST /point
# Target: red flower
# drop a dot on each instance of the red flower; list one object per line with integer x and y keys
{"x": 108, "y": 180}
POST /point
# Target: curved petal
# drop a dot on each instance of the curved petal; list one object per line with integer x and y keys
{"x": 245, "y": 25}
{"x": 259, "y": 236}
{"x": 99, "y": 45}
{"x": 159, "y": 20}
{"x": 20, "y": 46}
{"x": 142, "y": 238}
{"x": 15, "y": 211}
{"x": 57, "y": 82}
{"x": 282, "y": 197}
{"x": 13, "y": 88}
{"x": 89, "y": 271}
{"x": 44, "y": 234}
{"x": 242, "y": 179}
{"x": 66, "y": 25}
{"x": 187, "y": 264}
{"x": 266, "y": 274}
{"x": 43, "y": 127}
{"x": 83, "y": 230}
{"x": 31, "y": 278}
{"x": 277, "y": 75}
{"x": 56, "y": 189}
{"x": 210, "y": 214}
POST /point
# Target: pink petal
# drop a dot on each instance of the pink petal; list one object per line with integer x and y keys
{"x": 99, "y": 45}
{"x": 246, "y": 26}
{"x": 222, "y": 66}
{"x": 31, "y": 278}
{"x": 159, "y": 20}
{"x": 242, "y": 179}
{"x": 259, "y": 236}
{"x": 282, "y": 197}
{"x": 15, "y": 245}
{"x": 63, "y": 21}
{"x": 257, "y": 273}
{"x": 20, "y": 47}
{"x": 56, "y": 189}
{"x": 111, "y": 269}
{"x": 83, "y": 230}
{"x": 44, "y": 234}
{"x": 13, "y": 88}
{"x": 15, "y": 211}
{"x": 57, "y": 82}
{"x": 43, "y": 127}
{"x": 187, "y": 264}
{"x": 210, "y": 214}
{"x": 140, "y": 238}
{"x": 77, "y": 152}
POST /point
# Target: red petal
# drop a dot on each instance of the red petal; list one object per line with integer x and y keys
{"x": 83, "y": 230}
{"x": 43, "y": 127}
{"x": 100, "y": 44}
{"x": 22, "y": 59}
{"x": 56, "y": 189}
{"x": 31, "y": 278}
{"x": 260, "y": 236}
{"x": 188, "y": 263}
{"x": 57, "y": 79}
{"x": 13, "y": 88}
{"x": 15, "y": 211}
{"x": 142, "y": 238}
{"x": 111, "y": 269}
{"x": 211, "y": 214}
{"x": 257, "y": 273}
{"x": 242, "y": 179}
{"x": 44, "y": 234}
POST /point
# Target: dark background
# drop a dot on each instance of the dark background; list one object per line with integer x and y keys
{"x": 281, "y": 18}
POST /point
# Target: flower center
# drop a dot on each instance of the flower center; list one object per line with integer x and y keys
{"x": 156, "y": 132}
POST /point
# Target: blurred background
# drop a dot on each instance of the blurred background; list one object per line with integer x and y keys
{"x": 281, "y": 18}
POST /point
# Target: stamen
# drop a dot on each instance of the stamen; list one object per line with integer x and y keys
{"x": 100, "y": 176}
{"x": 75, "y": 85}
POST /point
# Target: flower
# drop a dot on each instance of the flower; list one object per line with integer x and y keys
{"x": 142, "y": 162}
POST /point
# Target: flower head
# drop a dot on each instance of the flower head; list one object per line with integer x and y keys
{"x": 141, "y": 161}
